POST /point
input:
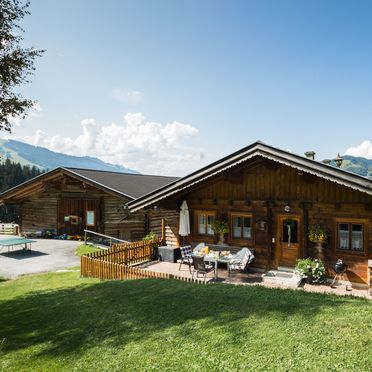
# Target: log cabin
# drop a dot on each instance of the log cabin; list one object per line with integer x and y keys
{"x": 260, "y": 191}
{"x": 69, "y": 200}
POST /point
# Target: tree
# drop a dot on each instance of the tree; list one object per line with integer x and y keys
{"x": 16, "y": 63}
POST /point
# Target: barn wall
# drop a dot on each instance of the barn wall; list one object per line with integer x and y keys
{"x": 39, "y": 212}
{"x": 171, "y": 218}
{"x": 44, "y": 210}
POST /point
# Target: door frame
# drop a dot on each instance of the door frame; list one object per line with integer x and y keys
{"x": 278, "y": 226}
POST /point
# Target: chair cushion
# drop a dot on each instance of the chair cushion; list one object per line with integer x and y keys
{"x": 199, "y": 247}
{"x": 186, "y": 251}
{"x": 241, "y": 259}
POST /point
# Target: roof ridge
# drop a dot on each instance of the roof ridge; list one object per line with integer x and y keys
{"x": 117, "y": 172}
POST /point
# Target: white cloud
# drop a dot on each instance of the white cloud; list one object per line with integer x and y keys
{"x": 137, "y": 143}
{"x": 128, "y": 96}
{"x": 364, "y": 150}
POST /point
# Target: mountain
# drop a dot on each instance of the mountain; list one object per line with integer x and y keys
{"x": 43, "y": 158}
{"x": 358, "y": 165}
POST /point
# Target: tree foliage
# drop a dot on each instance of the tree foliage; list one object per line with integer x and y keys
{"x": 13, "y": 174}
{"x": 16, "y": 62}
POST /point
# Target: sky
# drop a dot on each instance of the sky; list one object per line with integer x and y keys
{"x": 165, "y": 87}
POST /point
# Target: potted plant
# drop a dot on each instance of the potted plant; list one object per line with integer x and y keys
{"x": 311, "y": 269}
{"x": 318, "y": 235}
{"x": 220, "y": 228}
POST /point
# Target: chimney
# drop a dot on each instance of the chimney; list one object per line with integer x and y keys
{"x": 310, "y": 154}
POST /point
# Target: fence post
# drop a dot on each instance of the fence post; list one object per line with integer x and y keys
{"x": 85, "y": 237}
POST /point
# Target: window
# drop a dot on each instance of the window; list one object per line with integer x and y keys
{"x": 290, "y": 230}
{"x": 205, "y": 222}
{"x": 241, "y": 227}
{"x": 91, "y": 218}
{"x": 350, "y": 237}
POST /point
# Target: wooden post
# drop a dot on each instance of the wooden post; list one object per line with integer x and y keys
{"x": 85, "y": 237}
{"x": 163, "y": 230}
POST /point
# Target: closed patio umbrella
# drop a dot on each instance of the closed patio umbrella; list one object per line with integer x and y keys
{"x": 184, "y": 229}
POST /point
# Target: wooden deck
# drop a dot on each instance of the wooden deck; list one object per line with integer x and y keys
{"x": 252, "y": 276}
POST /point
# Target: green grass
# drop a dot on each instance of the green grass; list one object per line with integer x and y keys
{"x": 84, "y": 249}
{"x": 59, "y": 321}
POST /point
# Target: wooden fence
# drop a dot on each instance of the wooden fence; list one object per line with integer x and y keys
{"x": 96, "y": 268}
{"x": 128, "y": 253}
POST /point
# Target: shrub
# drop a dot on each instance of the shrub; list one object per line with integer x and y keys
{"x": 150, "y": 236}
{"x": 311, "y": 268}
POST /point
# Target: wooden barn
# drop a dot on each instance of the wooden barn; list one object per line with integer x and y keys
{"x": 69, "y": 200}
{"x": 260, "y": 191}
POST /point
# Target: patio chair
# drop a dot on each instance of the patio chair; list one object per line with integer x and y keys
{"x": 201, "y": 267}
{"x": 186, "y": 257}
{"x": 240, "y": 260}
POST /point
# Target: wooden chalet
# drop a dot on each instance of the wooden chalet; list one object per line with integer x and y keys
{"x": 259, "y": 191}
{"x": 69, "y": 200}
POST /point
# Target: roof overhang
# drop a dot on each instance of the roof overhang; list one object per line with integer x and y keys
{"x": 36, "y": 184}
{"x": 257, "y": 149}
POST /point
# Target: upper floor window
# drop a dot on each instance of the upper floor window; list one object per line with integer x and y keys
{"x": 205, "y": 222}
{"x": 241, "y": 227}
{"x": 350, "y": 236}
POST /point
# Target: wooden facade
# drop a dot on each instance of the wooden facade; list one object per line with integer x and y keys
{"x": 268, "y": 194}
{"x": 64, "y": 208}
{"x": 68, "y": 202}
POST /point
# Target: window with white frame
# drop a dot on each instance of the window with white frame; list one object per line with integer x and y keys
{"x": 205, "y": 222}
{"x": 350, "y": 236}
{"x": 241, "y": 226}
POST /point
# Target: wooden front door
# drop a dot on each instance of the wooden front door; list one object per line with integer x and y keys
{"x": 288, "y": 238}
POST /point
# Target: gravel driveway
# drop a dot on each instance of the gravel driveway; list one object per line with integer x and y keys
{"x": 46, "y": 255}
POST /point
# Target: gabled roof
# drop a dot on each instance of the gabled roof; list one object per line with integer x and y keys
{"x": 257, "y": 149}
{"x": 128, "y": 185}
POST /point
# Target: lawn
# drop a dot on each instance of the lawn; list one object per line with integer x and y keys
{"x": 84, "y": 249}
{"x": 59, "y": 321}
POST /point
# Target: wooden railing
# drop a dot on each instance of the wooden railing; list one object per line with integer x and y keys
{"x": 128, "y": 253}
{"x": 105, "y": 270}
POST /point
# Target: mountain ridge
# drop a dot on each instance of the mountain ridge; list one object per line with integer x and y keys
{"x": 42, "y": 158}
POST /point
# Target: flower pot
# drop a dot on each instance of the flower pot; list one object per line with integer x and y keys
{"x": 222, "y": 239}
{"x": 318, "y": 249}
{"x": 309, "y": 279}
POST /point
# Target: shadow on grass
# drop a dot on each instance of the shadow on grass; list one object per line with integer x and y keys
{"x": 70, "y": 320}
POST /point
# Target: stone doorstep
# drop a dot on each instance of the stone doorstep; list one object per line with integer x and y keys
{"x": 283, "y": 278}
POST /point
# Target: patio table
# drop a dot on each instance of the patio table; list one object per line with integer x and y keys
{"x": 213, "y": 258}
